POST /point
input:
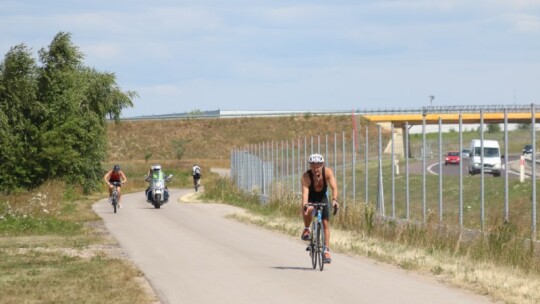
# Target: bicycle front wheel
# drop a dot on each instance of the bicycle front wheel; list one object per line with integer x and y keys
{"x": 313, "y": 246}
{"x": 320, "y": 247}
{"x": 115, "y": 201}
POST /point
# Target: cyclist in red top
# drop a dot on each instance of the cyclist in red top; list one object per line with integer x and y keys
{"x": 315, "y": 183}
{"x": 115, "y": 175}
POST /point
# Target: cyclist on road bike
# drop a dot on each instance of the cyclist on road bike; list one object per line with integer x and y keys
{"x": 315, "y": 182}
{"x": 115, "y": 175}
{"x": 196, "y": 173}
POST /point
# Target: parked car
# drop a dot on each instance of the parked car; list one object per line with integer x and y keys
{"x": 465, "y": 153}
{"x": 452, "y": 158}
{"x": 527, "y": 149}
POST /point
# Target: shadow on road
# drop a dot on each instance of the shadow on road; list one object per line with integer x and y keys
{"x": 292, "y": 268}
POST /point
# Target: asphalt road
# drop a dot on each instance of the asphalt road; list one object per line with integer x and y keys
{"x": 432, "y": 167}
{"x": 191, "y": 253}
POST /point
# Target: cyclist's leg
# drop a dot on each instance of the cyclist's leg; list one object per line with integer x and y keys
{"x": 307, "y": 222}
{"x": 119, "y": 189}
{"x": 326, "y": 226}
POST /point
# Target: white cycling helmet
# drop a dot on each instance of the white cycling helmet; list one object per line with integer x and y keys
{"x": 316, "y": 158}
{"x": 156, "y": 167}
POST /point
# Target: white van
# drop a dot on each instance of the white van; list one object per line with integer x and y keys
{"x": 492, "y": 157}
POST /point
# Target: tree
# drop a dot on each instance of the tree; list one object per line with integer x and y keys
{"x": 494, "y": 128}
{"x": 19, "y": 112}
{"x": 64, "y": 108}
{"x": 524, "y": 126}
{"x": 179, "y": 147}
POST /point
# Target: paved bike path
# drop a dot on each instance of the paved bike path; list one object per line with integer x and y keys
{"x": 191, "y": 253}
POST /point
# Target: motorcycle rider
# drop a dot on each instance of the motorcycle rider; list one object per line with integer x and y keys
{"x": 155, "y": 172}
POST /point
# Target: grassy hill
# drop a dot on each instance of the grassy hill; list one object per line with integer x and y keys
{"x": 211, "y": 139}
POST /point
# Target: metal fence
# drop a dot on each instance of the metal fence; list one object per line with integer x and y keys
{"x": 403, "y": 174}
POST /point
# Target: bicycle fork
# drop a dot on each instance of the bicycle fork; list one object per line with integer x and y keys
{"x": 314, "y": 229}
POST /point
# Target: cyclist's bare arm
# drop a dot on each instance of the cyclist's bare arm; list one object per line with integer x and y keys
{"x": 305, "y": 188}
{"x": 331, "y": 180}
{"x": 123, "y": 176}
{"x": 107, "y": 176}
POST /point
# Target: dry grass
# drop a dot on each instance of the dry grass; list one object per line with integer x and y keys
{"x": 502, "y": 283}
{"x": 211, "y": 138}
{"x": 497, "y": 264}
{"x": 54, "y": 249}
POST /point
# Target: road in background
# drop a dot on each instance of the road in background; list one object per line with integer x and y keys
{"x": 191, "y": 253}
{"x": 453, "y": 169}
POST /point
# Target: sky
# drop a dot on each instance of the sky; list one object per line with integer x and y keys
{"x": 296, "y": 55}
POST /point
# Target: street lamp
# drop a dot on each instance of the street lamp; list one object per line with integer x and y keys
{"x": 431, "y": 97}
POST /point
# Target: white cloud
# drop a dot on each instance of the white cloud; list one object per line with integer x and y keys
{"x": 102, "y": 50}
{"x": 524, "y": 22}
{"x": 302, "y": 54}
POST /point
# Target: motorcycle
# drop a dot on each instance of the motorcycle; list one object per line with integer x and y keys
{"x": 157, "y": 193}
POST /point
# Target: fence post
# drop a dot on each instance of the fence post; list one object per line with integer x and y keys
{"x": 380, "y": 188}
{"x": 482, "y": 177}
{"x": 424, "y": 166}
{"x": 460, "y": 171}
{"x": 344, "y": 168}
{"x": 366, "y": 164}
{"x": 533, "y": 158}
{"x": 440, "y": 173}
{"x": 407, "y": 155}
{"x": 393, "y": 165}
{"x": 353, "y": 158}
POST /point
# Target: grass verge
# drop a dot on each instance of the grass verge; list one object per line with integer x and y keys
{"x": 52, "y": 250}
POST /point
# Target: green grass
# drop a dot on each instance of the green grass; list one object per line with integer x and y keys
{"x": 45, "y": 240}
{"x": 50, "y": 222}
{"x": 17, "y": 225}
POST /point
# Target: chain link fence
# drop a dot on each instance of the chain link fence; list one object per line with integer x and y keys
{"x": 401, "y": 169}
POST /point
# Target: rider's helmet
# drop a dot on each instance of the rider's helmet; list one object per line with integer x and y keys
{"x": 316, "y": 159}
{"x": 116, "y": 168}
{"x": 156, "y": 167}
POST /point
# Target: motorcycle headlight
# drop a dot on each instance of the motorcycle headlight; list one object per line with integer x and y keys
{"x": 159, "y": 184}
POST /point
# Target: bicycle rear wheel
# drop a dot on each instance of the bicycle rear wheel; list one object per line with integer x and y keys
{"x": 320, "y": 247}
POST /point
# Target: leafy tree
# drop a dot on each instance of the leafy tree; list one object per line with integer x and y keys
{"x": 19, "y": 112}
{"x": 63, "y": 108}
{"x": 494, "y": 128}
{"x": 179, "y": 146}
{"x": 524, "y": 126}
